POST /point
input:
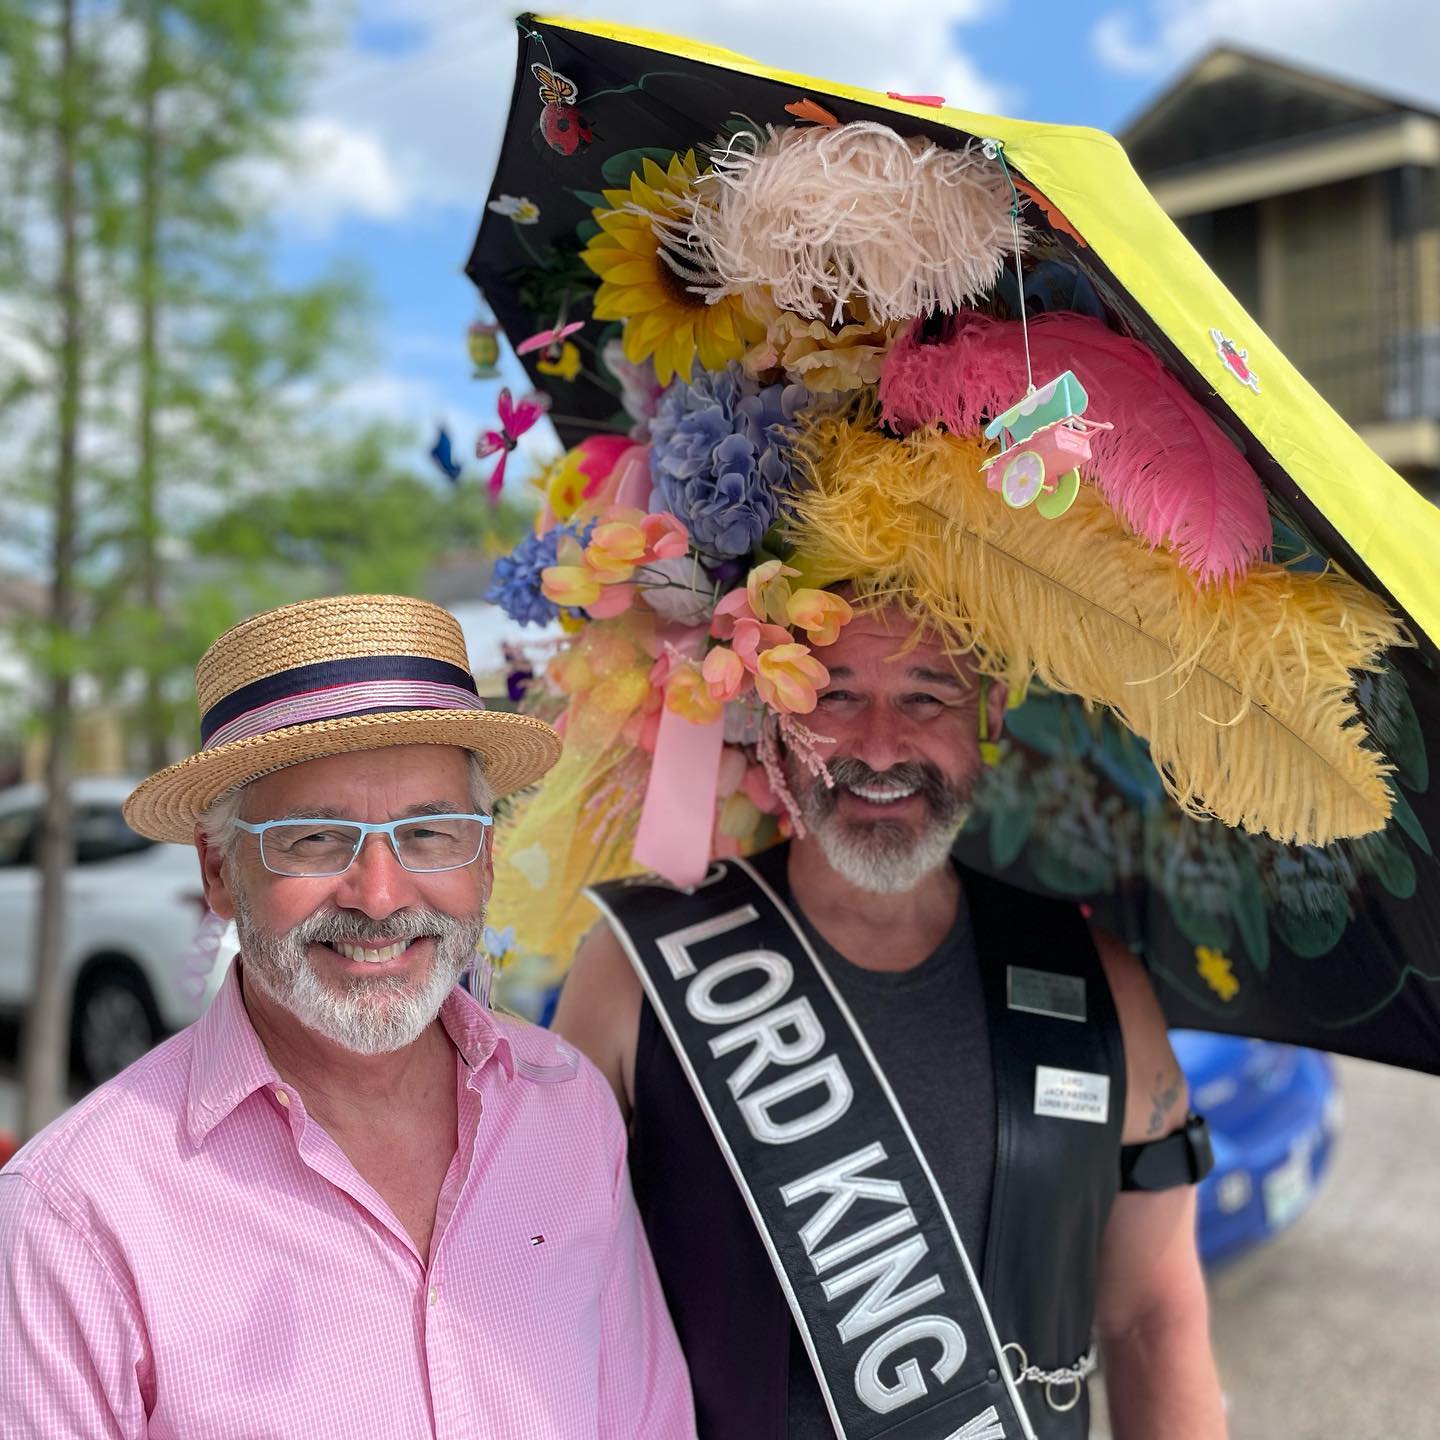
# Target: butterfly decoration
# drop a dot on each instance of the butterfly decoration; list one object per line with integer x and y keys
{"x": 551, "y": 341}
{"x": 443, "y": 454}
{"x": 565, "y": 129}
{"x": 515, "y": 420}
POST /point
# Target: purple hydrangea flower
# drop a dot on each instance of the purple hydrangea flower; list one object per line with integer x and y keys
{"x": 515, "y": 586}
{"x": 720, "y": 456}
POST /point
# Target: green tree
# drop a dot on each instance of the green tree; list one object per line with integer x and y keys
{"x": 360, "y": 524}
{"x": 149, "y": 366}
{"x": 225, "y": 363}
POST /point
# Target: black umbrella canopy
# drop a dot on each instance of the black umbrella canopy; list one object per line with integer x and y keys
{"x": 1338, "y": 947}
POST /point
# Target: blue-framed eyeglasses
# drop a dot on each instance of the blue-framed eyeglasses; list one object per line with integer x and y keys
{"x": 318, "y": 847}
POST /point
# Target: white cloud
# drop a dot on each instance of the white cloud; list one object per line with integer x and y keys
{"x": 423, "y": 127}
{"x": 335, "y": 171}
{"x": 1388, "y": 45}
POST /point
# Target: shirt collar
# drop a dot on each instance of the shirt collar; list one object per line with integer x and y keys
{"x": 228, "y": 1063}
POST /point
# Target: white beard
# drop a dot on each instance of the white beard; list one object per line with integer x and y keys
{"x": 371, "y": 1016}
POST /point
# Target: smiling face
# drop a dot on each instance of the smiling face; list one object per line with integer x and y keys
{"x": 367, "y": 957}
{"x": 906, "y": 755}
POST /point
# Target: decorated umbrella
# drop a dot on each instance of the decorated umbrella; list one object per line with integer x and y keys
{"x": 797, "y": 332}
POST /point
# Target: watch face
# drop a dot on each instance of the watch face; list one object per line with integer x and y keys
{"x": 1022, "y": 478}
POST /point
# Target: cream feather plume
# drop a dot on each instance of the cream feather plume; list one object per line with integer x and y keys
{"x": 1244, "y": 693}
{"x": 827, "y": 217}
{"x": 1166, "y": 467}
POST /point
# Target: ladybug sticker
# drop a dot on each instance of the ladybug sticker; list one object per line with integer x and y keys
{"x": 565, "y": 129}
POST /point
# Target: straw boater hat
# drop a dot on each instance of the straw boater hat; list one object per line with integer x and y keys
{"x": 353, "y": 672}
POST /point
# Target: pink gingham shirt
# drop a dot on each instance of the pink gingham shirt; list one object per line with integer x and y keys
{"x": 185, "y": 1254}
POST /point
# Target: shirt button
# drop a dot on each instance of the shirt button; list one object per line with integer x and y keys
{"x": 434, "y": 1295}
{"x": 283, "y": 1098}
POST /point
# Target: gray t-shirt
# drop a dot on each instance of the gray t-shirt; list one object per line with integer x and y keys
{"x": 928, "y": 1029}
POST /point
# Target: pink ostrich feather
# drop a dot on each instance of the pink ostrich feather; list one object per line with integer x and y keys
{"x": 1166, "y": 468}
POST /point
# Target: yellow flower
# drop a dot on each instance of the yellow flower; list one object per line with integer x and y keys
{"x": 819, "y": 614}
{"x": 768, "y": 590}
{"x": 664, "y": 320}
{"x": 1216, "y": 972}
{"x": 565, "y": 485}
{"x": 812, "y": 354}
{"x": 571, "y": 586}
{"x": 614, "y": 550}
{"x": 788, "y": 677}
{"x": 567, "y": 367}
{"x": 687, "y": 694}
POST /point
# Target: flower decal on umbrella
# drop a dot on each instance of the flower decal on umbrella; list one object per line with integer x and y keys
{"x": 519, "y": 208}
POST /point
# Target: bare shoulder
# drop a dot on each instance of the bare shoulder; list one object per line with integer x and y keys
{"x": 1156, "y": 1098}
{"x": 599, "y": 1010}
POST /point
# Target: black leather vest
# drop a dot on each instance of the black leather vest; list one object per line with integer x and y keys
{"x": 1055, "y": 1181}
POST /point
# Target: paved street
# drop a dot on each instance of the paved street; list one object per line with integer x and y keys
{"x": 1331, "y": 1332}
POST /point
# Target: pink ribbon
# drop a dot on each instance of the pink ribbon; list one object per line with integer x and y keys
{"x": 677, "y": 818}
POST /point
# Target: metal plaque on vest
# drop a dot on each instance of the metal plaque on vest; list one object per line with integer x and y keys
{"x": 862, "y": 1242}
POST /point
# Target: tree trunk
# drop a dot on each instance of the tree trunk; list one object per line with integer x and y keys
{"x": 44, "y": 1061}
{"x": 156, "y": 717}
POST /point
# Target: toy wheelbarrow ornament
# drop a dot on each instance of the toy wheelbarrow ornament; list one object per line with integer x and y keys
{"x": 1045, "y": 440}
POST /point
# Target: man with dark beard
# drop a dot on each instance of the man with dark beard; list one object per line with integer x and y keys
{"x": 349, "y": 1200}
{"x": 1022, "y": 1052}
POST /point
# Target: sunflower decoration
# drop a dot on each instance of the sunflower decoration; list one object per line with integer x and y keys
{"x": 649, "y": 273}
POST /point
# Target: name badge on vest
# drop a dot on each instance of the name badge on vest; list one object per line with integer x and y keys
{"x": 1043, "y": 992}
{"x": 861, "y": 1239}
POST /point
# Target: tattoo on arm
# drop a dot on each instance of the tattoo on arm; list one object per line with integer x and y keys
{"x": 1165, "y": 1094}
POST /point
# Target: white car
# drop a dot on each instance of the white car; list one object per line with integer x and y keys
{"x": 132, "y": 911}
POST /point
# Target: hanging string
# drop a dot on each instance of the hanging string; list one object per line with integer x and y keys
{"x": 995, "y": 150}
{"x": 536, "y": 35}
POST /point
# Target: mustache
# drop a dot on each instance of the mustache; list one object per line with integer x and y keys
{"x": 849, "y": 773}
{"x": 351, "y": 927}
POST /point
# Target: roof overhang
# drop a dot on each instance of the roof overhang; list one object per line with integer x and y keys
{"x": 1380, "y": 145}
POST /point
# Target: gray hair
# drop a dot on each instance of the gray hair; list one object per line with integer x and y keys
{"x": 217, "y": 824}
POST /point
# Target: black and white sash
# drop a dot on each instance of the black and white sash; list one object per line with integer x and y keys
{"x": 861, "y": 1239}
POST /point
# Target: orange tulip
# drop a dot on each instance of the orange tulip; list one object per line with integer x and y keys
{"x": 724, "y": 673}
{"x": 788, "y": 678}
{"x": 819, "y": 614}
{"x": 572, "y": 587}
{"x": 768, "y": 590}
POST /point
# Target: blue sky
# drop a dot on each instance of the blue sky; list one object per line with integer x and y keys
{"x": 403, "y": 122}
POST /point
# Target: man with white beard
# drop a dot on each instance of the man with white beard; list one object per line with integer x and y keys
{"x": 1023, "y": 1055}
{"x": 349, "y": 1200}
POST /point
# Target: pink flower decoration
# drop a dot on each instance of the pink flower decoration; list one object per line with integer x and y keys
{"x": 734, "y": 607}
{"x": 666, "y": 537}
{"x": 613, "y": 600}
{"x": 751, "y": 636}
{"x": 724, "y": 672}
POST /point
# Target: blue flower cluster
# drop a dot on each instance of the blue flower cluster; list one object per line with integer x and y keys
{"x": 515, "y": 587}
{"x": 720, "y": 456}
